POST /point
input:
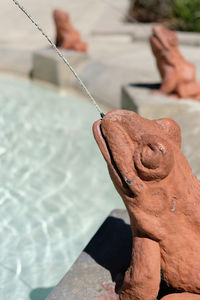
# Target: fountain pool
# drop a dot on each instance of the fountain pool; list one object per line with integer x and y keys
{"x": 54, "y": 187}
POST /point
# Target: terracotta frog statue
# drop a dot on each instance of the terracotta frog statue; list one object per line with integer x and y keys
{"x": 178, "y": 75}
{"x": 162, "y": 197}
{"x": 66, "y": 36}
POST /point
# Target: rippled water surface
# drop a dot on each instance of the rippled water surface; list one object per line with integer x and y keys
{"x": 54, "y": 186}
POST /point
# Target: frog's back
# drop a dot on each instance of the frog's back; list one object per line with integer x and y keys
{"x": 186, "y": 72}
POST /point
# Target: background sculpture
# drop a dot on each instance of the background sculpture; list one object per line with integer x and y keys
{"x": 66, "y": 36}
{"x": 161, "y": 195}
{"x": 178, "y": 75}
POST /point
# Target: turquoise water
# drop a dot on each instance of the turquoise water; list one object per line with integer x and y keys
{"x": 54, "y": 187}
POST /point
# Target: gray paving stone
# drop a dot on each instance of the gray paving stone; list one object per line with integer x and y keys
{"x": 138, "y": 31}
{"x": 20, "y": 32}
{"x": 105, "y": 81}
{"x": 142, "y": 32}
{"x": 189, "y": 38}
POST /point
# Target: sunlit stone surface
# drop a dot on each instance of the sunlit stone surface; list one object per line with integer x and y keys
{"x": 54, "y": 186}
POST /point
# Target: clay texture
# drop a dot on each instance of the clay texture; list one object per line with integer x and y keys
{"x": 178, "y": 75}
{"x": 66, "y": 36}
{"x": 161, "y": 195}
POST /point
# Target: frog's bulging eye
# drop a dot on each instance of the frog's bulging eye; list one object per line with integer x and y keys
{"x": 171, "y": 128}
{"x": 153, "y": 158}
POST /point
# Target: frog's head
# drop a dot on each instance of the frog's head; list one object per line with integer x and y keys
{"x": 163, "y": 38}
{"x": 61, "y": 18}
{"x": 137, "y": 151}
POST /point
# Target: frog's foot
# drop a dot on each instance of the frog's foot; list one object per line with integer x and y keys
{"x": 157, "y": 92}
{"x": 81, "y": 46}
{"x": 109, "y": 292}
{"x": 160, "y": 93}
{"x": 182, "y": 296}
{"x": 189, "y": 90}
{"x": 174, "y": 96}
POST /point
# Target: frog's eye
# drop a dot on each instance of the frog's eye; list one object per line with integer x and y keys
{"x": 153, "y": 158}
{"x": 172, "y": 129}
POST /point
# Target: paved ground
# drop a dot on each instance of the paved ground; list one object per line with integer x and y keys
{"x": 20, "y": 33}
{"x": 112, "y": 50}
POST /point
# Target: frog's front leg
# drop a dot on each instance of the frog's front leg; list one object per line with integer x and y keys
{"x": 169, "y": 81}
{"x": 142, "y": 279}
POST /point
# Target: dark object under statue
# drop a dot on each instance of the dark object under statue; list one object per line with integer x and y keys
{"x": 178, "y": 75}
{"x": 66, "y": 36}
{"x": 161, "y": 195}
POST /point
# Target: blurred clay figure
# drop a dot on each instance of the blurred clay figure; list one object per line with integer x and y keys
{"x": 66, "y": 36}
{"x": 178, "y": 75}
{"x": 162, "y": 197}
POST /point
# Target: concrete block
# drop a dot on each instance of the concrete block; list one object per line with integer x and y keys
{"x": 17, "y": 61}
{"x": 107, "y": 254}
{"x": 104, "y": 260}
{"x": 105, "y": 81}
{"x": 142, "y": 32}
{"x": 146, "y": 101}
{"x": 189, "y": 38}
{"x": 48, "y": 66}
{"x": 142, "y": 99}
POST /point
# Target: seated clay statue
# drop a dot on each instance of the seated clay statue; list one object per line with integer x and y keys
{"x": 160, "y": 192}
{"x": 178, "y": 75}
{"x": 66, "y": 36}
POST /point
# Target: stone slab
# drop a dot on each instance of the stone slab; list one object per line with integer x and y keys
{"x": 49, "y": 67}
{"x": 116, "y": 62}
{"x": 104, "y": 260}
{"x": 142, "y": 99}
{"x": 18, "y": 32}
{"x": 140, "y": 31}
{"x": 104, "y": 81}
{"x": 18, "y": 61}
{"x": 107, "y": 254}
{"x": 114, "y": 18}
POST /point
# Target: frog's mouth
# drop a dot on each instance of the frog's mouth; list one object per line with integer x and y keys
{"x": 158, "y": 38}
{"x": 102, "y": 143}
{"x": 157, "y": 42}
{"x": 122, "y": 183}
